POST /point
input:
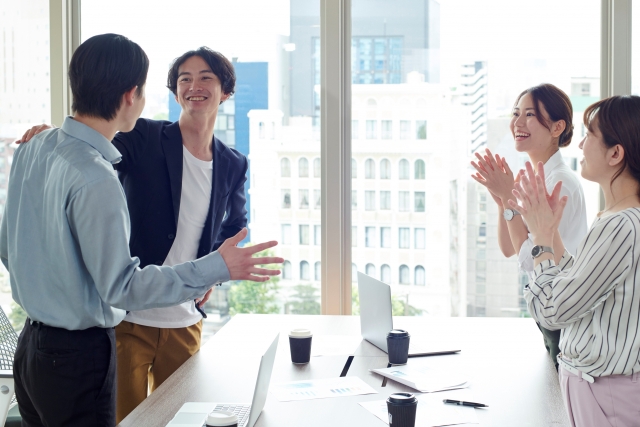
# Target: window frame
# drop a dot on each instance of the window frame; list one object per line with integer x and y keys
{"x": 335, "y": 88}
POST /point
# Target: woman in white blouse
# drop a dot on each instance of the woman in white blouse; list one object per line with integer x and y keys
{"x": 594, "y": 296}
{"x": 541, "y": 123}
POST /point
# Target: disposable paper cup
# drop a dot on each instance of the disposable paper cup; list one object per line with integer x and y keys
{"x": 402, "y": 408}
{"x": 398, "y": 346}
{"x": 222, "y": 419}
{"x": 300, "y": 345}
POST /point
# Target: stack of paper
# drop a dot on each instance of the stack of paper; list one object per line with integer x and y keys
{"x": 424, "y": 379}
{"x": 321, "y": 388}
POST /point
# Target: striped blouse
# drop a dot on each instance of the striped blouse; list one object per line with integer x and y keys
{"x": 595, "y": 297}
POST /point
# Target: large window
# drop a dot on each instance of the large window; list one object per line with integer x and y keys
{"x": 442, "y": 87}
{"x": 429, "y": 82}
{"x": 272, "y": 118}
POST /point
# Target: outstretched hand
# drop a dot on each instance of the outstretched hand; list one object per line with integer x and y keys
{"x": 241, "y": 263}
{"x": 542, "y": 211}
{"x": 32, "y": 132}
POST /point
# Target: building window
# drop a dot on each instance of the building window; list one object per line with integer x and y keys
{"x": 286, "y": 199}
{"x": 385, "y": 200}
{"x": 419, "y": 238}
{"x": 354, "y": 129}
{"x": 419, "y": 201}
{"x": 303, "y": 168}
{"x": 385, "y": 274}
{"x": 419, "y": 172}
{"x": 370, "y": 169}
{"x": 403, "y": 238}
{"x": 405, "y": 129}
{"x": 385, "y": 237}
{"x": 354, "y": 272}
{"x": 316, "y": 167}
{"x": 421, "y": 129}
{"x": 419, "y": 276}
{"x": 481, "y": 272}
{"x": 403, "y": 201}
{"x": 285, "y": 168}
{"x": 354, "y": 168}
{"x": 318, "y": 271}
{"x": 372, "y": 129}
{"x": 370, "y": 270}
{"x": 317, "y": 197}
{"x": 286, "y": 270}
{"x": 304, "y": 234}
{"x": 304, "y": 270}
{"x": 317, "y": 235}
{"x": 385, "y": 169}
{"x": 376, "y": 60}
{"x": 482, "y": 230}
{"x": 354, "y": 236}
{"x": 387, "y": 129}
{"x": 286, "y": 234}
{"x": 482, "y": 201}
{"x": 370, "y": 237}
{"x": 403, "y": 169}
{"x": 304, "y": 199}
{"x": 369, "y": 200}
{"x": 404, "y": 275}
{"x": 354, "y": 200}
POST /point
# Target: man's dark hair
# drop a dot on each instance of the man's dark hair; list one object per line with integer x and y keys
{"x": 218, "y": 63}
{"x": 102, "y": 69}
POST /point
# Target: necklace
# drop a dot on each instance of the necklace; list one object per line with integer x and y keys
{"x": 616, "y": 204}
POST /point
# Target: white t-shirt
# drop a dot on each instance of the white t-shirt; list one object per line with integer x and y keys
{"x": 194, "y": 206}
{"x": 573, "y": 225}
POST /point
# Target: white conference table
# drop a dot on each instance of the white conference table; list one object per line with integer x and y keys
{"x": 510, "y": 371}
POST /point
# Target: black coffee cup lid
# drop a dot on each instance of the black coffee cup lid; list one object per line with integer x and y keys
{"x": 402, "y": 399}
{"x": 398, "y": 333}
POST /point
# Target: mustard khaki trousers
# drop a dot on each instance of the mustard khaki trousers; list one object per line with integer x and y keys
{"x": 146, "y": 357}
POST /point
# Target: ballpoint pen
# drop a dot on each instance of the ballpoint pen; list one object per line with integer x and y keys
{"x": 463, "y": 403}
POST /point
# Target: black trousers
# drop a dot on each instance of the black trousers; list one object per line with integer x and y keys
{"x": 65, "y": 378}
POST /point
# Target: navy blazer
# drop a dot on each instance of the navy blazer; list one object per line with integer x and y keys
{"x": 151, "y": 174}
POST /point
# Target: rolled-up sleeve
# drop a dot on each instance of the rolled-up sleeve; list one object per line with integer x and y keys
{"x": 561, "y": 294}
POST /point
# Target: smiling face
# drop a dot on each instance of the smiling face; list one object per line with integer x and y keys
{"x": 595, "y": 163}
{"x": 198, "y": 90}
{"x": 528, "y": 132}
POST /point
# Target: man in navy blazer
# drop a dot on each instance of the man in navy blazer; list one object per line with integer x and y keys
{"x": 185, "y": 191}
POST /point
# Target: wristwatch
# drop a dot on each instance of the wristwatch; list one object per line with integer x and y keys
{"x": 537, "y": 250}
{"x": 508, "y": 214}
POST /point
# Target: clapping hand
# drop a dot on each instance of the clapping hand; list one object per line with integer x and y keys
{"x": 542, "y": 211}
{"x": 494, "y": 173}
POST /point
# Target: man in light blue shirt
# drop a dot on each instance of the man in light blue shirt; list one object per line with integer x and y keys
{"x": 65, "y": 240}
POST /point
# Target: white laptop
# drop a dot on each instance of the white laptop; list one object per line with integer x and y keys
{"x": 376, "y": 319}
{"x": 194, "y": 414}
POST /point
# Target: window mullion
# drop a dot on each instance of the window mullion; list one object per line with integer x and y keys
{"x": 335, "y": 35}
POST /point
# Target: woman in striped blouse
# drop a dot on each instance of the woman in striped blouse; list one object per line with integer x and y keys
{"x": 593, "y": 297}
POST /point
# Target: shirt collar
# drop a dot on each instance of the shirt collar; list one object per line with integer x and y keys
{"x": 92, "y": 137}
{"x": 553, "y": 162}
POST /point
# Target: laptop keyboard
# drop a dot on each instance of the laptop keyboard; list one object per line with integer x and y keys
{"x": 241, "y": 411}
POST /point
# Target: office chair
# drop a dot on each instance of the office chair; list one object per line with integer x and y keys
{"x": 8, "y": 344}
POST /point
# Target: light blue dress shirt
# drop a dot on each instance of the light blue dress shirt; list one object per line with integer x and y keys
{"x": 65, "y": 237}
